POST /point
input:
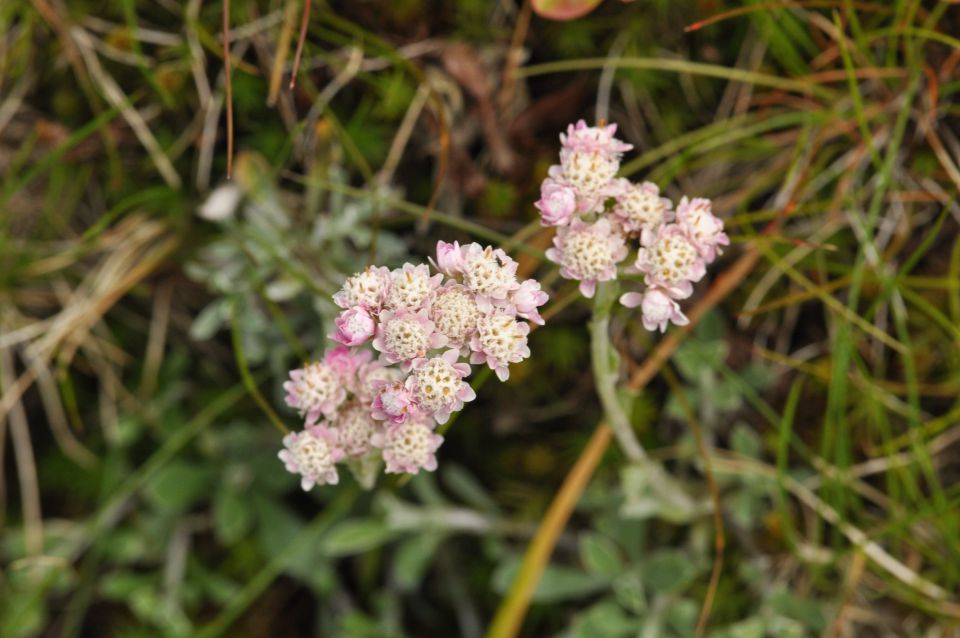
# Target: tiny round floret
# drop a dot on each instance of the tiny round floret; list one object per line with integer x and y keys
{"x": 354, "y": 327}
{"x": 489, "y": 272}
{"x": 313, "y": 454}
{"x": 411, "y": 287}
{"x": 438, "y": 386}
{"x": 403, "y": 336}
{"x": 500, "y": 341}
{"x": 594, "y": 139}
{"x": 704, "y": 229}
{"x": 588, "y": 253}
{"x": 393, "y": 402}
{"x": 641, "y": 211}
{"x": 314, "y": 390}
{"x": 410, "y": 447}
{"x": 671, "y": 262}
{"x": 454, "y": 313}
{"x": 355, "y": 427}
{"x": 366, "y": 289}
{"x": 590, "y": 175}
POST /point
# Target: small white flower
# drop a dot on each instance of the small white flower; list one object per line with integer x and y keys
{"x": 365, "y": 289}
{"x": 315, "y": 390}
{"x": 313, "y": 454}
{"x": 671, "y": 262}
{"x": 454, "y": 313}
{"x": 411, "y": 287}
{"x": 500, "y": 341}
{"x": 438, "y": 387}
{"x": 409, "y": 447}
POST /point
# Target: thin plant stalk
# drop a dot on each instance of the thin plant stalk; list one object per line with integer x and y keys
{"x": 606, "y": 371}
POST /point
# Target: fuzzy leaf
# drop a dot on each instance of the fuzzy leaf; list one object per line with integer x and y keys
{"x": 355, "y": 537}
{"x": 600, "y": 555}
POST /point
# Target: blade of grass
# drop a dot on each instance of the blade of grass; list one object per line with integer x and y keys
{"x": 682, "y": 66}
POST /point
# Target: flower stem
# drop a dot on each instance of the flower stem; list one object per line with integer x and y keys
{"x": 606, "y": 371}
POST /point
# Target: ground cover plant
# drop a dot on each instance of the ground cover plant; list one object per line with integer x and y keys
{"x": 675, "y": 284}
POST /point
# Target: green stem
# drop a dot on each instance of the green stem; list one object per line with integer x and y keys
{"x": 606, "y": 371}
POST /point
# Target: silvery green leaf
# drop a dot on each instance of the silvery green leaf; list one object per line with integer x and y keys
{"x": 210, "y": 320}
{"x": 283, "y": 288}
{"x": 630, "y": 593}
{"x": 650, "y": 491}
{"x": 556, "y": 584}
{"x": 605, "y": 620}
{"x": 600, "y": 555}
{"x": 744, "y": 440}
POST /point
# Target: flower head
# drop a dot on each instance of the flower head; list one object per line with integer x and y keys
{"x": 313, "y": 454}
{"x": 704, "y": 229}
{"x": 316, "y": 389}
{"x": 592, "y": 176}
{"x": 500, "y": 340}
{"x": 557, "y": 203}
{"x": 449, "y": 258}
{"x": 489, "y": 272}
{"x": 394, "y": 402}
{"x": 657, "y": 309}
{"x": 594, "y": 139}
{"x": 671, "y": 262}
{"x": 371, "y": 376}
{"x": 355, "y": 426}
{"x": 404, "y": 335}
{"x": 588, "y": 253}
{"x": 409, "y": 447}
{"x": 345, "y": 362}
{"x": 640, "y": 210}
{"x": 354, "y": 327}
{"x": 411, "y": 287}
{"x": 438, "y": 387}
{"x": 454, "y": 313}
{"x": 366, "y": 289}
{"x": 527, "y": 299}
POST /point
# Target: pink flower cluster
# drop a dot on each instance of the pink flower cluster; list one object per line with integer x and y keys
{"x": 597, "y": 214}
{"x": 407, "y": 340}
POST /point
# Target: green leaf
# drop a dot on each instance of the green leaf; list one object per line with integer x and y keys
{"x": 667, "y": 571}
{"x": 556, "y": 584}
{"x": 800, "y": 609}
{"x": 465, "y": 485}
{"x": 605, "y": 620}
{"x": 629, "y": 591}
{"x": 682, "y": 617}
{"x": 412, "y": 559}
{"x": 564, "y": 9}
{"x": 231, "y": 516}
{"x": 210, "y": 320}
{"x": 355, "y": 537}
{"x": 745, "y": 441}
{"x": 600, "y": 555}
{"x": 178, "y": 486}
{"x": 22, "y": 615}
{"x": 750, "y": 628}
{"x": 650, "y": 492}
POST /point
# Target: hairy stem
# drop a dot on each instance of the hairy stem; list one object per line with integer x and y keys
{"x": 606, "y": 371}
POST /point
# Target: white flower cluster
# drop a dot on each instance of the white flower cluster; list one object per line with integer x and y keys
{"x": 597, "y": 214}
{"x": 426, "y": 330}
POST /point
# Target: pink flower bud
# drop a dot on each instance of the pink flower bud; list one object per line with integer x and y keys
{"x": 658, "y": 309}
{"x": 558, "y": 203}
{"x": 354, "y": 327}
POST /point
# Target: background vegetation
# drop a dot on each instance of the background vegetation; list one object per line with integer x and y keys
{"x": 142, "y": 346}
